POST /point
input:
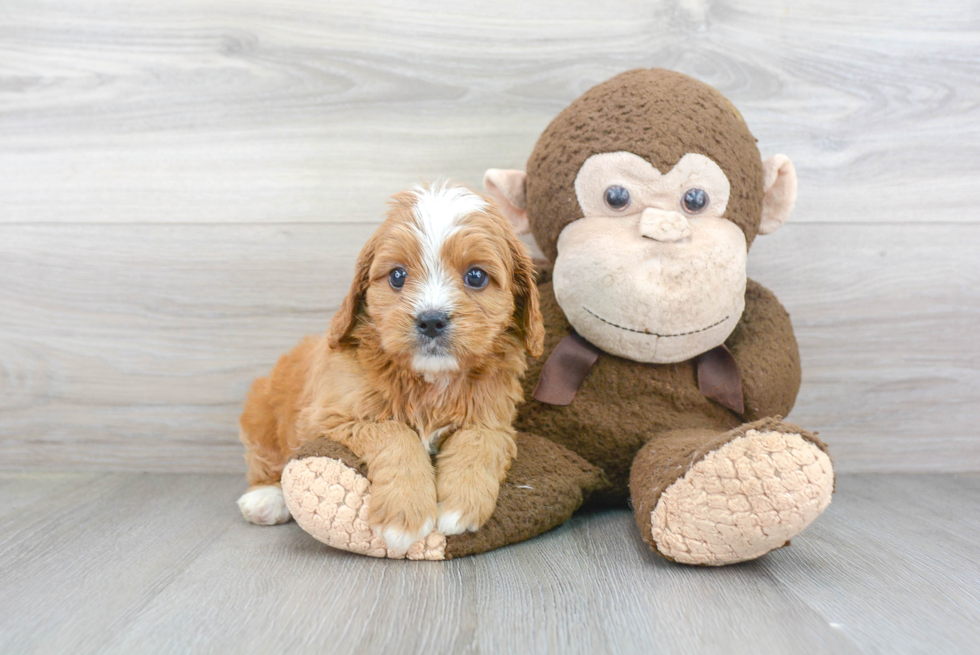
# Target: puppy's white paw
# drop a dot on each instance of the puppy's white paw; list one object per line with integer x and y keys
{"x": 264, "y": 505}
{"x": 451, "y": 522}
{"x": 399, "y": 541}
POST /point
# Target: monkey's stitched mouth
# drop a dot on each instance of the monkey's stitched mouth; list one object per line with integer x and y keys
{"x": 654, "y": 334}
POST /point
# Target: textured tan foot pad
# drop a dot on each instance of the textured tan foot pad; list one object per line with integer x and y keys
{"x": 743, "y": 500}
{"x": 330, "y": 500}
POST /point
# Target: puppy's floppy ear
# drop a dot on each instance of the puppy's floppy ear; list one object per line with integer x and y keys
{"x": 345, "y": 319}
{"x": 527, "y": 303}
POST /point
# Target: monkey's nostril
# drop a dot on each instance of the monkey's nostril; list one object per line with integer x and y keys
{"x": 432, "y": 323}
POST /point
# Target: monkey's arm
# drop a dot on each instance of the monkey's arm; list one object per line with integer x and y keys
{"x": 768, "y": 358}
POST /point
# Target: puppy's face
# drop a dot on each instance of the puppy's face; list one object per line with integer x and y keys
{"x": 441, "y": 281}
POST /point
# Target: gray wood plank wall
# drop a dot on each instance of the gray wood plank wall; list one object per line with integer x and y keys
{"x": 184, "y": 186}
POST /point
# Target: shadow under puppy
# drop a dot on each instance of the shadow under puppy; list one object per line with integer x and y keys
{"x": 424, "y": 357}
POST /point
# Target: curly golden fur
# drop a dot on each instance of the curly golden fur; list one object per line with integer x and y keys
{"x": 371, "y": 384}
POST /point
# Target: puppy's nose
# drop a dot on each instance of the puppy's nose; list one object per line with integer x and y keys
{"x": 432, "y": 323}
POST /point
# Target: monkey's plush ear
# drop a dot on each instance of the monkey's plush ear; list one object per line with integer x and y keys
{"x": 779, "y": 182}
{"x": 507, "y": 188}
{"x": 345, "y": 319}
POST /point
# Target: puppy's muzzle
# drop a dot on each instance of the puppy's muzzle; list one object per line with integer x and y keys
{"x": 432, "y": 324}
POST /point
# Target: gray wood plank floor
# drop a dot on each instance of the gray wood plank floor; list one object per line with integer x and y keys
{"x": 147, "y": 563}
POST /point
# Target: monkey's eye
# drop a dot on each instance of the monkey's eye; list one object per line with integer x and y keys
{"x": 476, "y": 278}
{"x": 617, "y": 197}
{"x": 694, "y": 201}
{"x": 397, "y": 277}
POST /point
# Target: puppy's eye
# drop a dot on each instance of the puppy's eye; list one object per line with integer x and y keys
{"x": 476, "y": 278}
{"x": 617, "y": 197}
{"x": 397, "y": 277}
{"x": 694, "y": 201}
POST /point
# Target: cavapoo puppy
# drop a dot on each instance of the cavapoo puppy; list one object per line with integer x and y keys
{"x": 424, "y": 357}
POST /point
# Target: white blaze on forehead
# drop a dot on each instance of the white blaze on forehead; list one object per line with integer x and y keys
{"x": 437, "y": 212}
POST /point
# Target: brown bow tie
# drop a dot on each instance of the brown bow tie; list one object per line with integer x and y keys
{"x": 573, "y": 358}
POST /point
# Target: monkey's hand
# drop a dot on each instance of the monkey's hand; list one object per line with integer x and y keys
{"x": 768, "y": 358}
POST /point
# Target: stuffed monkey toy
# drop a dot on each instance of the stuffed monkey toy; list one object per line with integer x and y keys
{"x": 666, "y": 372}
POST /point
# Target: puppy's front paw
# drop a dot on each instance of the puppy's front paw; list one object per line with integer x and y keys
{"x": 403, "y": 514}
{"x": 466, "y": 506}
{"x": 264, "y": 505}
{"x": 400, "y": 537}
{"x": 451, "y": 522}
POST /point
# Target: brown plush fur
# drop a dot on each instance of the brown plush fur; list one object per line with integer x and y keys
{"x": 357, "y": 385}
{"x": 624, "y": 408}
{"x": 622, "y": 404}
{"x": 657, "y": 114}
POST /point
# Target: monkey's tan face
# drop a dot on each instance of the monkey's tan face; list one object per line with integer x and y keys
{"x": 653, "y": 272}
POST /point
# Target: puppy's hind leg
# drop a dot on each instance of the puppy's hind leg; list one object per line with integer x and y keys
{"x": 268, "y": 432}
{"x": 263, "y": 503}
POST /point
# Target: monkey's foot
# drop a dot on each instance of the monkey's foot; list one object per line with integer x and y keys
{"x": 329, "y": 497}
{"x": 328, "y": 493}
{"x": 744, "y": 499}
